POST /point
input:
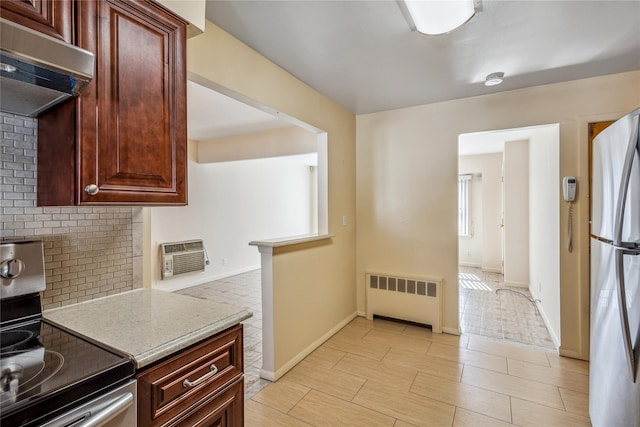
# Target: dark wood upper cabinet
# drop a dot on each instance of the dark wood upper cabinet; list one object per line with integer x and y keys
{"x": 51, "y": 17}
{"x": 125, "y": 135}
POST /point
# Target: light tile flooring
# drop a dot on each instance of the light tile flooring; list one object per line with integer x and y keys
{"x": 379, "y": 373}
{"x": 242, "y": 290}
{"x": 384, "y": 373}
{"x": 491, "y": 309}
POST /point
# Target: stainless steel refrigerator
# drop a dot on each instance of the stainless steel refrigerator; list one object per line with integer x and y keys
{"x": 614, "y": 383}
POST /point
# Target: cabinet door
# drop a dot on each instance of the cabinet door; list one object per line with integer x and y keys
{"x": 51, "y": 17}
{"x": 132, "y": 118}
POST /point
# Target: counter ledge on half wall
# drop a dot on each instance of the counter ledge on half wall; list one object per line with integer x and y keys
{"x": 147, "y": 324}
{"x": 293, "y": 240}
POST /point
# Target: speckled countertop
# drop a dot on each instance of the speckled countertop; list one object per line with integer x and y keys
{"x": 147, "y": 324}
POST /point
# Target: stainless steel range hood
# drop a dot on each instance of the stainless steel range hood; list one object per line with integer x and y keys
{"x": 38, "y": 71}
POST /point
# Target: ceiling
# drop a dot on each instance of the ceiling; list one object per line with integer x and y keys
{"x": 211, "y": 115}
{"x": 332, "y": 46}
{"x": 494, "y": 141}
{"x": 363, "y": 55}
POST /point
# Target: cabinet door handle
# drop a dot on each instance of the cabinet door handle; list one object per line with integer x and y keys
{"x": 214, "y": 370}
{"x": 91, "y": 189}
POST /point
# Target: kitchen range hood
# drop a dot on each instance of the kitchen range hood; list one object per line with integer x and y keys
{"x": 38, "y": 71}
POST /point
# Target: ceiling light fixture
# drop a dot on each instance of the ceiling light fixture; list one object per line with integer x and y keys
{"x": 494, "y": 79}
{"x": 433, "y": 17}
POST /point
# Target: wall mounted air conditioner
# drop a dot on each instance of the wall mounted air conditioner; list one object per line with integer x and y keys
{"x": 182, "y": 257}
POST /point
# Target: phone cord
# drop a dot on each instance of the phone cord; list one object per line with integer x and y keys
{"x": 569, "y": 231}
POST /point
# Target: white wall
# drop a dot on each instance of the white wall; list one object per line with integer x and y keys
{"x": 470, "y": 247}
{"x": 484, "y": 248}
{"x": 230, "y": 204}
{"x": 544, "y": 225}
{"x": 516, "y": 213}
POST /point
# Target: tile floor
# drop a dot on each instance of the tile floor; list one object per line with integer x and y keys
{"x": 385, "y": 373}
{"x": 241, "y": 290}
{"x": 491, "y": 309}
{"x": 380, "y": 373}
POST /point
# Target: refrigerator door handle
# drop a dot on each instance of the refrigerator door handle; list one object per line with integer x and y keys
{"x": 624, "y": 314}
{"x": 632, "y": 149}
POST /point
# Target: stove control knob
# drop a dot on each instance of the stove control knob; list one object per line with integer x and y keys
{"x": 11, "y": 268}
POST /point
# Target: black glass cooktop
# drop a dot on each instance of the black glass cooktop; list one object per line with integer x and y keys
{"x": 45, "y": 369}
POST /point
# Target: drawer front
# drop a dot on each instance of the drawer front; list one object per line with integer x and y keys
{"x": 222, "y": 410}
{"x": 177, "y": 384}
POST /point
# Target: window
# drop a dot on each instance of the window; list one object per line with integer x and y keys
{"x": 464, "y": 208}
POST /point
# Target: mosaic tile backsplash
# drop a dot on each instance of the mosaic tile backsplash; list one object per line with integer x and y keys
{"x": 90, "y": 252}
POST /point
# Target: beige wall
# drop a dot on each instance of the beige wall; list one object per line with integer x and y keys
{"x": 516, "y": 213}
{"x": 544, "y": 225}
{"x": 313, "y": 285}
{"x": 193, "y": 11}
{"x": 407, "y": 176}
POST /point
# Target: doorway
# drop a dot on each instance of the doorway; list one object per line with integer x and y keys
{"x": 509, "y": 261}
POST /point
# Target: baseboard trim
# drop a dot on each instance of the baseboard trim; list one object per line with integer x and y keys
{"x": 554, "y": 337}
{"x": 572, "y": 354}
{"x": 517, "y": 284}
{"x": 451, "y": 331}
{"x": 540, "y": 307}
{"x": 470, "y": 264}
{"x": 167, "y": 286}
{"x": 274, "y": 376}
{"x": 267, "y": 375}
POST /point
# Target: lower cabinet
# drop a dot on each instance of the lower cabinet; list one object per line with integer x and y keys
{"x": 199, "y": 386}
{"x": 223, "y": 409}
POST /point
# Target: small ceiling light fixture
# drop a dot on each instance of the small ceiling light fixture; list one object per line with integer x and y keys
{"x": 434, "y": 17}
{"x": 494, "y": 79}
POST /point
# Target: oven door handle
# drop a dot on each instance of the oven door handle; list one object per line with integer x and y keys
{"x": 118, "y": 406}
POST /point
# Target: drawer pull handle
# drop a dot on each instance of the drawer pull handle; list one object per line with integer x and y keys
{"x": 214, "y": 370}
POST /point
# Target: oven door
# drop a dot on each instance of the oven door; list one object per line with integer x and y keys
{"x": 116, "y": 408}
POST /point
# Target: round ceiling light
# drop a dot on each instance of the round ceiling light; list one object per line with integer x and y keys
{"x": 494, "y": 79}
{"x": 436, "y": 17}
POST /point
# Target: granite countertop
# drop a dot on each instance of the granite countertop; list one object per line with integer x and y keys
{"x": 147, "y": 324}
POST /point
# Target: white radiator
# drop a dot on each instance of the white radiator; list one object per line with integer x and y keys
{"x": 182, "y": 257}
{"x": 405, "y": 298}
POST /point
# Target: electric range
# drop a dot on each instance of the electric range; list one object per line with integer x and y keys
{"x": 45, "y": 371}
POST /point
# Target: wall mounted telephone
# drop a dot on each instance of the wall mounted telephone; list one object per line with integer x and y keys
{"x": 569, "y": 188}
{"x": 569, "y": 185}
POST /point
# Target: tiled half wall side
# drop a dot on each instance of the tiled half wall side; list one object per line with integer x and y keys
{"x": 90, "y": 252}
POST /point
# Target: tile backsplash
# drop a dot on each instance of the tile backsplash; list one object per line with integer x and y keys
{"x": 89, "y": 252}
